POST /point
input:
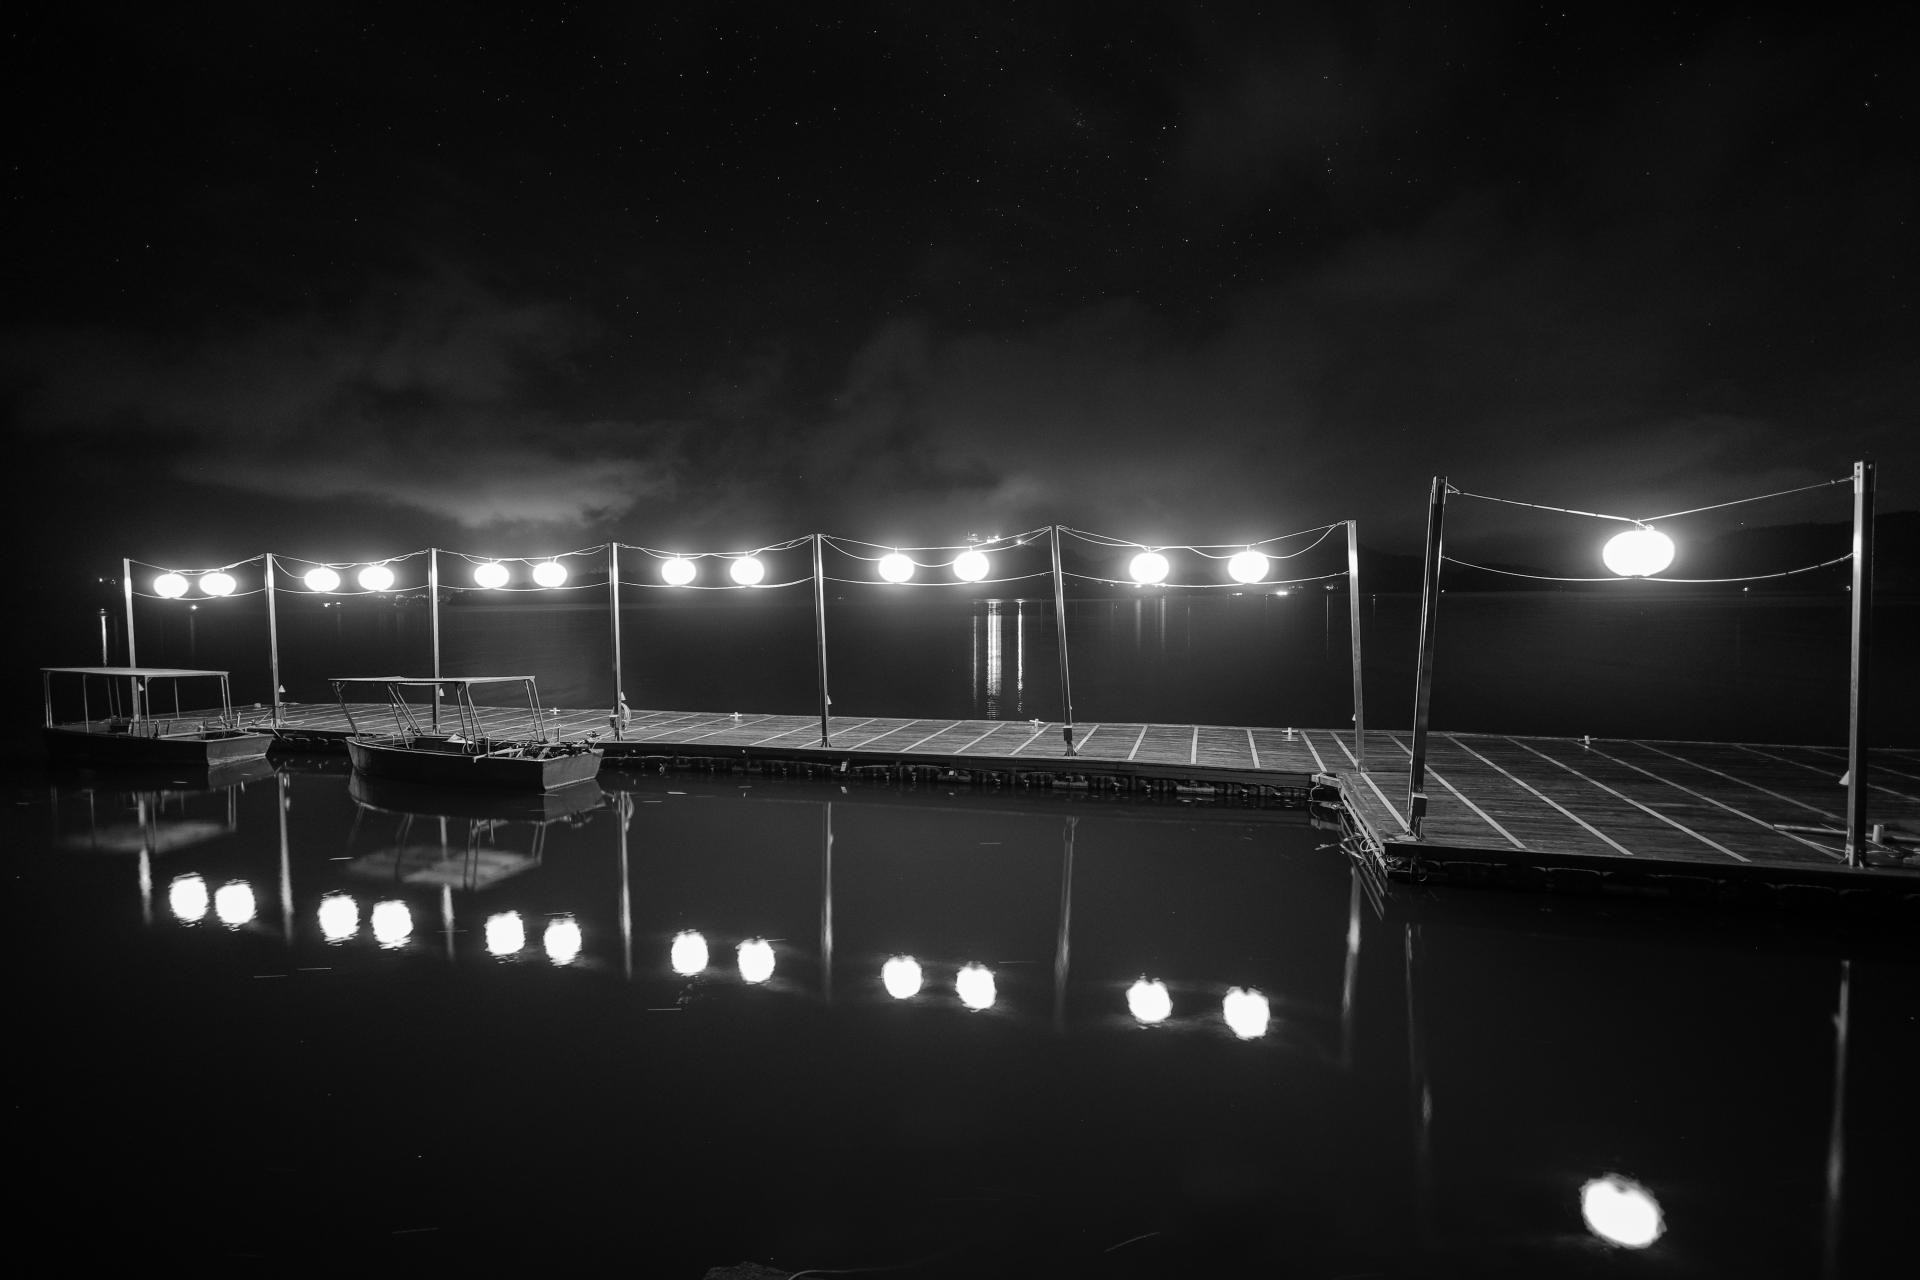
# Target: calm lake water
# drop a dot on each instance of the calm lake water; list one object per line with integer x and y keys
{"x": 291, "y": 1020}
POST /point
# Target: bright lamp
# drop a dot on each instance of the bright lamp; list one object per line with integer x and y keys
{"x": 375, "y": 577}
{"x": 322, "y": 579}
{"x": 1148, "y": 567}
{"x": 970, "y": 566}
{"x": 896, "y": 567}
{"x": 550, "y": 574}
{"x": 1638, "y": 552}
{"x": 217, "y": 583}
{"x": 677, "y": 572}
{"x": 747, "y": 571}
{"x": 1248, "y": 566}
{"x": 490, "y": 576}
{"x": 170, "y": 586}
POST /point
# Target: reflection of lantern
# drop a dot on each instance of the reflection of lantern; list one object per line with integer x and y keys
{"x": 1637, "y": 552}
{"x": 490, "y": 576}
{"x": 677, "y": 572}
{"x": 688, "y": 955}
{"x": 339, "y": 917}
{"x": 1621, "y": 1211}
{"x": 170, "y": 586}
{"x": 233, "y": 903}
{"x": 746, "y": 571}
{"x": 187, "y": 896}
{"x": 217, "y": 583}
{"x": 392, "y": 923}
{"x": 974, "y": 983}
{"x": 1247, "y": 1013}
{"x": 322, "y": 579}
{"x": 901, "y": 977}
{"x": 1247, "y": 566}
{"x": 376, "y": 577}
{"x": 970, "y": 566}
{"x": 505, "y": 934}
{"x": 755, "y": 956}
{"x": 1149, "y": 1001}
{"x": 550, "y": 574}
{"x": 1148, "y": 566}
{"x": 896, "y": 567}
{"x": 562, "y": 939}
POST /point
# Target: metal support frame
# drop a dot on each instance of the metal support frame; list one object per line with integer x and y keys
{"x": 618, "y": 712}
{"x": 1857, "y": 832}
{"x": 273, "y": 642}
{"x": 433, "y": 624}
{"x": 820, "y": 635}
{"x": 1353, "y": 627}
{"x": 1423, "y": 678}
{"x": 126, "y": 588}
{"x": 1060, "y": 620}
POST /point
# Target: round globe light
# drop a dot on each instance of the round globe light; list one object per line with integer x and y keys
{"x": 755, "y": 957}
{"x": 339, "y": 917}
{"x": 506, "y": 934}
{"x": 1621, "y": 1211}
{"x": 1247, "y": 566}
{"x": 688, "y": 955}
{"x": 746, "y": 571}
{"x": 974, "y": 984}
{"x": 187, "y": 896}
{"x": 490, "y": 576}
{"x": 1247, "y": 1013}
{"x": 550, "y": 574}
{"x": 375, "y": 577}
{"x": 170, "y": 586}
{"x": 1637, "y": 553}
{"x": 234, "y": 903}
{"x": 562, "y": 940}
{"x": 970, "y": 566}
{"x": 392, "y": 923}
{"x": 322, "y": 579}
{"x": 896, "y": 568}
{"x": 677, "y": 572}
{"x": 1149, "y": 1001}
{"x": 217, "y": 583}
{"x": 901, "y": 977}
{"x": 1148, "y": 566}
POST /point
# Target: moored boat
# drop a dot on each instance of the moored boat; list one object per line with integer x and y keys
{"x": 472, "y": 754}
{"x": 130, "y": 733}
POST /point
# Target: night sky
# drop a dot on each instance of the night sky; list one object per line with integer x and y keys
{"x": 338, "y": 280}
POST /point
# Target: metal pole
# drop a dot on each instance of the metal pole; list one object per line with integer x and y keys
{"x": 1353, "y": 625}
{"x": 1060, "y": 620}
{"x": 820, "y": 635}
{"x": 273, "y": 641}
{"x": 126, "y": 585}
{"x": 105, "y": 658}
{"x": 1862, "y": 646}
{"x": 1423, "y": 679}
{"x": 613, "y": 612}
{"x": 433, "y": 624}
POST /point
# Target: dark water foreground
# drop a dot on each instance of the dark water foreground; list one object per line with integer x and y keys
{"x": 246, "y": 1036}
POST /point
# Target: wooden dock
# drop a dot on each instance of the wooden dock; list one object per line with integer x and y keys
{"x": 1539, "y": 812}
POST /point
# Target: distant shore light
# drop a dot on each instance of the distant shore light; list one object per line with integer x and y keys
{"x": 1248, "y": 566}
{"x": 375, "y": 577}
{"x": 901, "y": 977}
{"x": 1637, "y": 553}
{"x": 1621, "y": 1211}
{"x": 217, "y": 583}
{"x": 1148, "y": 567}
{"x": 677, "y": 572}
{"x": 896, "y": 567}
{"x": 970, "y": 566}
{"x": 490, "y": 576}
{"x": 550, "y": 573}
{"x": 1148, "y": 1000}
{"x": 322, "y": 579}
{"x": 747, "y": 571}
{"x": 170, "y": 586}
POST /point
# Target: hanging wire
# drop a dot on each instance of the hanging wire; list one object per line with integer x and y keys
{"x": 1207, "y": 586}
{"x": 1005, "y": 542}
{"x": 719, "y": 586}
{"x": 1805, "y": 488}
{"x": 982, "y": 582}
{"x": 1228, "y": 549}
{"x": 1547, "y": 577}
{"x": 1541, "y": 506}
{"x": 1644, "y": 521}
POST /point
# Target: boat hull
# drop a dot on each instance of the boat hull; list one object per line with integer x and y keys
{"x": 439, "y": 766}
{"x": 91, "y": 744}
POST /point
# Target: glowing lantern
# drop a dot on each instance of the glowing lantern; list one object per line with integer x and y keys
{"x": 1621, "y": 1211}
{"x": 562, "y": 940}
{"x": 746, "y": 571}
{"x": 677, "y": 572}
{"x": 1148, "y": 566}
{"x": 1248, "y": 566}
{"x": 550, "y": 574}
{"x": 170, "y": 586}
{"x": 901, "y": 977}
{"x": 896, "y": 567}
{"x": 970, "y": 566}
{"x": 974, "y": 984}
{"x": 1247, "y": 1013}
{"x": 1149, "y": 1001}
{"x": 375, "y": 577}
{"x": 688, "y": 955}
{"x": 187, "y": 896}
{"x": 339, "y": 917}
{"x": 756, "y": 960}
{"x": 505, "y": 934}
{"x": 322, "y": 579}
{"x": 490, "y": 576}
{"x": 1637, "y": 552}
{"x": 234, "y": 903}
{"x": 392, "y": 923}
{"x": 217, "y": 583}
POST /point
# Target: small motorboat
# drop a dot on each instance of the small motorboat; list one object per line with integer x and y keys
{"x": 131, "y": 732}
{"x": 482, "y": 749}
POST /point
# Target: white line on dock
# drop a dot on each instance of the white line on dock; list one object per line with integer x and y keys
{"x": 1364, "y": 777}
{"x": 1760, "y": 822}
{"x": 1080, "y": 747}
{"x": 1320, "y": 764}
{"x": 930, "y": 737}
{"x": 982, "y": 738}
{"x": 1137, "y": 741}
{"x": 1825, "y": 813}
{"x": 1458, "y": 795}
{"x": 731, "y": 724}
{"x": 1253, "y": 750}
{"x": 1877, "y": 761}
{"x": 1542, "y": 795}
{"x": 1193, "y": 750}
{"x": 1030, "y": 741}
{"x": 904, "y": 724}
{"x": 1678, "y": 826}
{"x": 1832, "y": 777}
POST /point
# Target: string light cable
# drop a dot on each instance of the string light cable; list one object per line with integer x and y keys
{"x": 1548, "y": 577}
{"x": 197, "y": 576}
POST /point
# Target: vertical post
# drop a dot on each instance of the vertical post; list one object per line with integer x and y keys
{"x": 106, "y": 659}
{"x": 273, "y": 642}
{"x": 1353, "y": 626}
{"x": 126, "y": 586}
{"x": 1060, "y": 621}
{"x": 820, "y": 634}
{"x": 1862, "y": 646}
{"x": 613, "y": 612}
{"x": 433, "y": 624}
{"x": 1423, "y": 678}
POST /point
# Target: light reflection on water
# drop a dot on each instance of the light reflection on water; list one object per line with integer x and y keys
{"x": 1462, "y": 1065}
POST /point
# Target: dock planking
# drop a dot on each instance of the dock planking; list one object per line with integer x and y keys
{"x": 1605, "y": 804}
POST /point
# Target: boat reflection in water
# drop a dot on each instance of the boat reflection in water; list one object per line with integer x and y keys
{"x": 463, "y": 839}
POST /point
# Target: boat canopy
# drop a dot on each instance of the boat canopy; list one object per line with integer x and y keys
{"x": 421, "y": 682}
{"x": 142, "y": 673}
